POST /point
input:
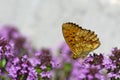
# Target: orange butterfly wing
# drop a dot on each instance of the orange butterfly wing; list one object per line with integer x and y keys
{"x": 81, "y": 41}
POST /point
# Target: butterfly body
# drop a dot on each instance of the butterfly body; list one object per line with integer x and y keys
{"x": 81, "y": 41}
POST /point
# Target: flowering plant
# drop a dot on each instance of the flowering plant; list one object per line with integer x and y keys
{"x": 20, "y": 61}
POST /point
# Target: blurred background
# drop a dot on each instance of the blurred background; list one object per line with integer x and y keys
{"x": 41, "y": 20}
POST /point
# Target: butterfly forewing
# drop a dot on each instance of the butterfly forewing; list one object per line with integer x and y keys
{"x": 81, "y": 41}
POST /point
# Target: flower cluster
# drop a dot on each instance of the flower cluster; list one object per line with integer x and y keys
{"x": 20, "y": 61}
{"x": 93, "y": 67}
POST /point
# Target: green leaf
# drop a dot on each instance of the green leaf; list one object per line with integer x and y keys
{"x": 38, "y": 70}
{"x": 3, "y": 63}
{"x": 39, "y": 78}
{"x": 48, "y": 68}
{"x": 67, "y": 67}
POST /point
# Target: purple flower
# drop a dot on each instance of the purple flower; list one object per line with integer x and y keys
{"x": 34, "y": 61}
{"x": 90, "y": 69}
{"x": 46, "y": 75}
{"x": 21, "y": 67}
{"x": 44, "y": 68}
{"x": 113, "y": 65}
{"x": 18, "y": 41}
{"x": 32, "y": 75}
{"x": 20, "y": 61}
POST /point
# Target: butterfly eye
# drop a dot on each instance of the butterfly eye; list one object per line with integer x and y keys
{"x": 81, "y": 41}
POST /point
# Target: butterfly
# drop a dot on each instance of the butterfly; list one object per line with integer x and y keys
{"x": 80, "y": 41}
